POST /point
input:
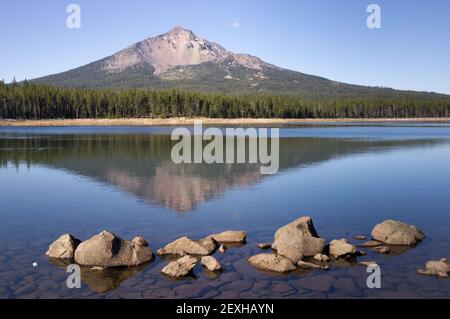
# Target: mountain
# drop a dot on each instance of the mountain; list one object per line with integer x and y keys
{"x": 183, "y": 60}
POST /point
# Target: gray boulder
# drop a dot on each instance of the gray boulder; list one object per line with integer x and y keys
{"x": 107, "y": 250}
{"x": 180, "y": 268}
{"x": 439, "y": 268}
{"x": 297, "y": 240}
{"x": 186, "y": 246}
{"x": 393, "y": 232}
{"x": 230, "y": 237}
{"x": 341, "y": 248}
{"x": 211, "y": 263}
{"x": 271, "y": 262}
{"x": 63, "y": 248}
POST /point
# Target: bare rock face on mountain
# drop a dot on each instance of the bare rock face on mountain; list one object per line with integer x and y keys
{"x": 297, "y": 240}
{"x": 63, "y": 248}
{"x": 186, "y": 246}
{"x": 271, "y": 262}
{"x": 180, "y": 268}
{"x": 393, "y": 232}
{"x": 230, "y": 237}
{"x": 107, "y": 250}
{"x": 178, "y": 47}
{"x": 341, "y": 248}
{"x": 439, "y": 268}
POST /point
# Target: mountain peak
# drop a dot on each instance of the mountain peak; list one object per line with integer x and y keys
{"x": 179, "y": 30}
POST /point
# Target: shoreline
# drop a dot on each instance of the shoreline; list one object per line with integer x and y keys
{"x": 206, "y": 121}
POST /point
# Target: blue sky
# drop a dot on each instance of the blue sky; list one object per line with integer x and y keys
{"x": 321, "y": 37}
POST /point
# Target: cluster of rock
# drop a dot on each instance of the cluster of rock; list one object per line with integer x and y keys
{"x": 189, "y": 249}
{"x": 106, "y": 250}
{"x": 297, "y": 245}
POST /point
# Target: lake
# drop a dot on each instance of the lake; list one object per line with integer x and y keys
{"x": 347, "y": 177}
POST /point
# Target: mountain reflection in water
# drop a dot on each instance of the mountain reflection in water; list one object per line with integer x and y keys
{"x": 140, "y": 164}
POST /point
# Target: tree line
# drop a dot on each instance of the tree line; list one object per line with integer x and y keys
{"x": 36, "y": 101}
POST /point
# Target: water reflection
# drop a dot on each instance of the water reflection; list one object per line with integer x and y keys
{"x": 102, "y": 281}
{"x": 140, "y": 164}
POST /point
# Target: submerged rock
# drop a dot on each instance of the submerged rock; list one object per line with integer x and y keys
{"x": 361, "y": 253}
{"x": 341, "y": 248}
{"x": 307, "y": 265}
{"x": 63, "y": 248}
{"x": 439, "y": 268}
{"x": 371, "y": 243}
{"x": 360, "y": 237}
{"x": 367, "y": 263}
{"x": 211, "y": 263}
{"x": 107, "y": 250}
{"x": 393, "y": 232}
{"x": 271, "y": 262}
{"x": 297, "y": 240}
{"x": 230, "y": 237}
{"x": 186, "y": 246}
{"x": 382, "y": 250}
{"x": 180, "y": 268}
{"x": 264, "y": 246}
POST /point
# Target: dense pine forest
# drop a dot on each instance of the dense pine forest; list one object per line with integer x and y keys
{"x": 36, "y": 101}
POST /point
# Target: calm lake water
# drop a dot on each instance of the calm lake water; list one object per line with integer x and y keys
{"x": 82, "y": 180}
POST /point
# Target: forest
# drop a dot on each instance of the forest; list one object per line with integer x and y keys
{"x": 27, "y": 100}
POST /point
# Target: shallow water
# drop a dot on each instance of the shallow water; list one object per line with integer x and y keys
{"x": 83, "y": 180}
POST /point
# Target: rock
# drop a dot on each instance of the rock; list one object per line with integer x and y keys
{"x": 341, "y": 248}
{"x": 211, "y": 263}
{"x": 439, "y": 268}
{"x": 180, "y": 268}
{"x": 188, "y": 246}
{"x": 321, "y": 257}
{"x": 230, "y": 237}
{"x": 297, "y": 240}
{"x": 96, "y": 268}
{"x": 271, "y": 262}
{"x": 63, "y": 248}
{"x": 264, "y": 246}
{"x": 371, "y": 243}
{"x": 360, "y": 237}
{"x": 139, "y": 240}
{"x": 222, "y": 249}
{"x": 306, "y": 265}
{"x": 381, "y": 250}
{"x": 367, "y": 263}
{"x": 397, "y": 233}
{"x": 361, "y": 253}
{"x": 107, "y": 250}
